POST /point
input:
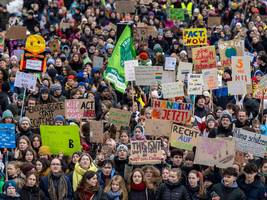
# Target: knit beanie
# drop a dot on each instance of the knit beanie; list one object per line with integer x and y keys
{"x": 44, "y": 89}
{"x": 44, "y": 150}
{"x": 10, "y": 183}
{"x": 226, "y": 114}
{"x": 7, "y": 114}
{"x": 122, "y": 147}
{"x": 24, "y": 119}
{"x": 55, "y": 87}
{"x": 59, "y": 118}
{"x": 157, "y": 48}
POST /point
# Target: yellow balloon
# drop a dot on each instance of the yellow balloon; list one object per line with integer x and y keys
{"x": 35, "y": 44}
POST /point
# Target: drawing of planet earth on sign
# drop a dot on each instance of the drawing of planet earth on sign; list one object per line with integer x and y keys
{"x": 229, "y": 52}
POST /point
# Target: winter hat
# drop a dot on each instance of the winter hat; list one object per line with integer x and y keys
{"x": 59, "y": 118}
{"x": 143, "y": 55}
{"x": 44, "y": 89}
{"x": 20, "y": 97}
{"x": 55, "y": 87}
{"x": 9, "y": 184}
{"x": 50, "y": 61}
{"x": 102, "y": 88}
{"x": 59, "y": 78}
{"x": 7, "y": 114}
{"x": 264, "y": 112}
{"x": 109, "y": 46}
{"x": 122, "y": 147}
{"x": 71, "y": 77}
{"x": 206, "y": 93}
{"x": 141, "y": 128}
{"x": 226, "y": 114}
{"x": 52, "y": 72}
{"x": 44, "y": 150}
{"x": 258, "y": 72}
{"x": 157, "y": 48}
{"x": 24, "y": 119}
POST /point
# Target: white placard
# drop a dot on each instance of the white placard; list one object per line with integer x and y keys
{"x": 184, "y": 69}
{"x": 236, "y": 87}
{"x": 34, "y": 65}
{"x": 210, "y": 78}
{"x": 168, "y": 77}
{"x": 25, "y": 80}
{"x": 241, "y": 69}
{"x": 171, "y": 90}
{"x": 148, "y": 75}
{"x": 129, "y": 70}
{"x": 195, "y": 84}
{"x": 170, "y": 63}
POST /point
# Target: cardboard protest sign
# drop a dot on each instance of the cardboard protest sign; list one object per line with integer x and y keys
{"x": 54, "y": 45}
{"x": 184, "y": 69}
{"x": 241, "y": 69}
{"x": 98, "y": 61}
{"x": 16, "y": 33}
{"x": 61, "y": 139}
{"x": 250, "y": 142}
{"x": 236, "y": 87}
{"x": 174, "y": 89}
{"x": 258, "y": 93}
{"x": 8, "y": 136}
{"x": 168, "y": 77}
{"x": 215, "y": 151}
{"x": 263, "y": 82}
{"x": 145, "y": 152}
{"x": 214, "y": 21}
{"x": 157, "y": 127}
{"x": 79, "y": 108}
{"x": 195, "y": 84}
{"x": 145, "y": 2}
{"x": 119, "y": 117}
{"x": 170, "y": 63}
{"x": 125, "y": 6}
{"x": 129, "y": 69}
{"x": 64, "y": 25}
{"x": 96, "y": 131}
{"x": 148, "y": 75}
{"x": 177, "y": 14}
{"x": 142, "y": 33}
{"x": 230, "y": 48}
{"x": 44, "y": 113}
{"x": 204, "y": 57}
{"x": 25, "y": 80}
{"x": 195, "y": 36}
{"x": 210, "y": 78}
{"x": 183, "y": 137}
{"x": 173, "y": 111}
{"x": 2, "y": 42}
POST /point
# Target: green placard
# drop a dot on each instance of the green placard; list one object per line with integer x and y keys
{"x": 61, "y": 139}
{"x": 177, "y": 14}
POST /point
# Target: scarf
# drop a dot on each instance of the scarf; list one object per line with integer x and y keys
{"x": 114, "y": 195}
{"x": 138, "y": 187}
{"x": 87, "y": 193}
{"x": 78, "y": 174}
{"x": 62, "y": 187}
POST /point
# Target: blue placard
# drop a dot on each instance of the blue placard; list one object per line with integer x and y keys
{"x": 7, "y": 136}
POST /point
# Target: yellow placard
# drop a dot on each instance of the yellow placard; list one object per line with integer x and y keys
{"x": 195, "y": 36}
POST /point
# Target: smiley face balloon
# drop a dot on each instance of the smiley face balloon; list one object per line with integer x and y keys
{"x": 35, "y": 44}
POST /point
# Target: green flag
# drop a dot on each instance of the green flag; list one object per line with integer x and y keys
{"x": 124, "y": 50}
{"x": 177, "y": 14}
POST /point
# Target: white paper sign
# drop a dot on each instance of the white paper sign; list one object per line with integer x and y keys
{"x": 236, "y": 87}
{"x": 168, "y": 77}
{"x": 129, "y": 70}
{"x": 195, "y": 84}
{"x": 171, "y": 90}
{"x": 34, "y": 65}
{"x": 170, "y": 63}
{"x": 210, "y": 78}
{"x": 25, "y": 80}
{"x": 148, "y": 75}
{"x": 241, "y": 69}
{"x": 184, "y": 69}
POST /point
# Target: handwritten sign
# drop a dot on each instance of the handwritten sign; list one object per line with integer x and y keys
{"x": 210, "y": 78}
{"x": 214, "y": 21}
{"x": 236, "y": 87}
{"x": 148, "y": 75}
{"x": 184, "y": 69}
{"x": 8, "y": 136}
{"x": 230, "y": 48}
{"x": 142, "y": 33}
{"x": 204, "y": 57}
{"x": 250, "y": 142}
{"x": 171, "y": 90}
{"x": 183, "y": 137}
{"x": 119, "y": 117}
{"x": 195, "y": 36}
{"x": 170, "y": 63}
{"x": 241, "y": 69}
{"x": 157, "y": 127}
{"x": 177, "y": 14}
{"x": 215, "y": 151}
{"x": 79, "y": 108}
{"x": 168, "y": 77}
{"x": 61, "y": 139}
{"x": 173, "y": 111}
{"x": 145, "y": 152}
{"x": 2, "y": 42}
{"x": 129, "y": 70}
{"x": 125, "y": 6}
{"x": 195, "y": 84}
{"x": 44, "y": 113}
{"x": 263, "y": 82}
{"x": 16, "y": 33}
{"x": 98, "y": 62}
{"x": 96, "y": 132}
{"x": 25, "y": 80}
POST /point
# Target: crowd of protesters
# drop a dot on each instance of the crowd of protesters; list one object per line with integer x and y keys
{"x": 32, "y": 172}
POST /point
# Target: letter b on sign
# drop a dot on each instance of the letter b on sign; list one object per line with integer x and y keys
{"x": 71, "y": 143}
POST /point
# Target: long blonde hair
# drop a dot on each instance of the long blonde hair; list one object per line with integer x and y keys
{"x": 121, "y": 182}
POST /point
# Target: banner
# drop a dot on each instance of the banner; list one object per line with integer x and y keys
{"x": 170, "y": 63}
{"x": 184, "y": 69}
{"x": 145, "y": 152}
{"x": 158, "y": 127}
{"x": 177, "y": 14}
{"x": 228, "y": 49}
{"x": 8, "y": 136}
{"x": 241, "y": 69}
{"x": 25, "y": 80}
{"x": 171, "y": 90}
{"x": 79, "y": 108}
{"x": 173, "y": 111}
{"x": 210, "y": 78}
{"x": 96, "y": 132}
{"x": 61, "y": 139}
{"x": 44, "y": 113}
{"x": 236, "y": 87}
{"x": 195, "y": 36}
{"x": 124, "y": 50}
{"x": 148, "y": 75}
{"x": 215, "y": 151}
{"x": 183, "y": 137}
{"x": 119, "y": 117}
{"x": 129, "y": 69}
{"x": 250, "y": 142}
{"x": 195, "y": 84}
{"x": 204, "y": 57}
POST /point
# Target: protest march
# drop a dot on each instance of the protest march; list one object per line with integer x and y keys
{"x": 133, "y": 100}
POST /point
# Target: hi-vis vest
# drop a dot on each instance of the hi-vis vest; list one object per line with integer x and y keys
{"x": 189, "y": 8}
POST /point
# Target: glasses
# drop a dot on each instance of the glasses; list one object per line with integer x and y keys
{"x": 56, "y": 164}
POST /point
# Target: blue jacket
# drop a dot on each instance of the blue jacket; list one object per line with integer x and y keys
{"x": 101, "y": 178}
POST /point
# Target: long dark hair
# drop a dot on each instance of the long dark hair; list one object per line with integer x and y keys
{"x": 83, "y": 185}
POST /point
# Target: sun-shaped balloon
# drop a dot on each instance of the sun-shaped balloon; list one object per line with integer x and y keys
{"x": 35, "y": 44}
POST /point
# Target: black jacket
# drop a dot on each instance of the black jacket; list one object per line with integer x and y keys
{"x": 146, "y": 194}
{"x": 31, "y": 193}
{"x": 172, "y": 191}
{"x": 99, "y": 195}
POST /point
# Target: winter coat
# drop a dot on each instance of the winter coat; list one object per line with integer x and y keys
{"x": 99, "y": 195}
{"x": 172, "y": 191}
{"x": 229, "y": 193}
{"x": 120, "y": 165}
{"x": 253, "y": 191}
{"x": 146, "y": 194}
{"x": 5, "y": 197}
{"x": 193, "y": 193}
{"x": 31, "y": 193}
